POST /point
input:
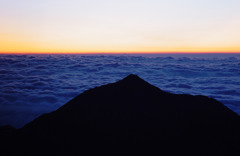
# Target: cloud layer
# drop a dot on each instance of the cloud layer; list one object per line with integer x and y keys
{"x": 31, "y": 85}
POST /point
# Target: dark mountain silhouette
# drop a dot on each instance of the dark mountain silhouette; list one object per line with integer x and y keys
{"x": 130, "y": 117}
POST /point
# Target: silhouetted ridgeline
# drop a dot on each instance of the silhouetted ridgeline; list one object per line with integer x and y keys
{"x": 129, "y": 117}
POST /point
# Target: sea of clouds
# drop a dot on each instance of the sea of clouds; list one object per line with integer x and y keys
{"x": 31, "y": 85}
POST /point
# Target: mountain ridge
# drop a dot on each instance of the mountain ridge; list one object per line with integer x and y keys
{"x": 132, "y": 117}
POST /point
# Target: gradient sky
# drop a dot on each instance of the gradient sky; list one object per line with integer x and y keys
{"x": 119, "y": 26}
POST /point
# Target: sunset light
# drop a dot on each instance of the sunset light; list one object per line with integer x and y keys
{"x": 61, "y": 26}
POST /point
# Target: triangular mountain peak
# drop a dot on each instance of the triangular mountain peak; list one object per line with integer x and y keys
{"x": 132, "y": 79}
{"x": 134, "y": 84}
{"x": 132, "y": 76}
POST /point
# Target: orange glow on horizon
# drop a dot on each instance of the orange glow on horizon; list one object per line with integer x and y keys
{"x": 135, "y": 52}
{"x": 123, "y": 27}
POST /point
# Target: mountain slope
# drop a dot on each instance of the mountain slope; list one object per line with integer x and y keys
{"x": 132, "y": 117}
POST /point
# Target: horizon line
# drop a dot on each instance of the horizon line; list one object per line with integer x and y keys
{"x": 111, "y": 53}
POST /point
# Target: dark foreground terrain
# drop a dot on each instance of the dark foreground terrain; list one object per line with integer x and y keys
{"x": 130, "y": 117}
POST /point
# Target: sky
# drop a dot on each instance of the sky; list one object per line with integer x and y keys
{"x": 108, "y": 26}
